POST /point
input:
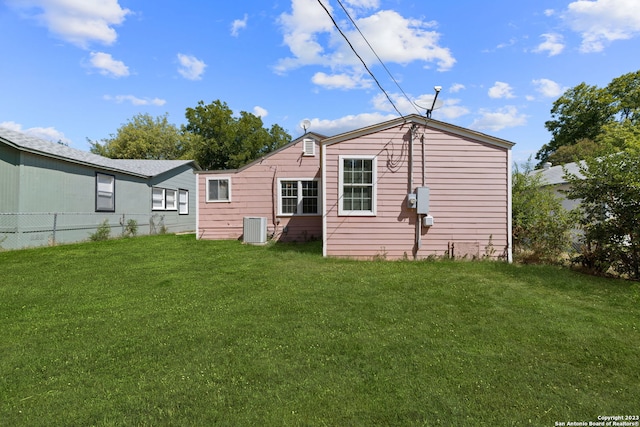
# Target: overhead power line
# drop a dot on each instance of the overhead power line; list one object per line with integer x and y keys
{"x": 335, "y": 24}
{"x": 377, "y": 56}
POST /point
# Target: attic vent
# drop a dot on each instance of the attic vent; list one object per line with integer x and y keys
{"x": 308, "y": 147}
{"x": 255, "y": 230}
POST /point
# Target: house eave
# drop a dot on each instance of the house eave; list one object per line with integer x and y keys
{"x": 424, "y": 121}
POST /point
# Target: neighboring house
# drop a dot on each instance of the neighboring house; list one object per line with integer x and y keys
{"x": 554, "y": 177}
{"x": 51, "y": 193}
{"x": 411, "y": 187}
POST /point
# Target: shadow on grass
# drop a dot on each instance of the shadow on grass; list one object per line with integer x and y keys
{"x": 314, "y": 247}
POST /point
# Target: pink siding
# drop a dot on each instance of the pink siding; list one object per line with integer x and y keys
{"x": 468, "y": 183}
{"x": 254, "y": 193}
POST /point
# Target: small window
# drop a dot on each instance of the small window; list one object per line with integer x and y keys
{"x": 183, "y": 202}
{"x": 218, "y": 190}
{"x": 164, "y": 199}
{"x": 299, "y": 197}
{"x": 171, "y": 200}
{"x": 157, "y": 198}
{"x": 105, "y": 193}
{"x": 357, "y": 185}
{"x": 309, "y": 147}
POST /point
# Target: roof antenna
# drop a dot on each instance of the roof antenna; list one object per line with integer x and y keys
{"x": 434, "y": 105}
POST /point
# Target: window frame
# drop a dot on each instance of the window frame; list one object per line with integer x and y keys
{"x": 181, "y": 211}
{"x": 300, "y": 197}
{"x": 174, "y": 206}
{"x": 165, "y": 192}
{"x": 221, "y": 178}
{"x": 112, "y": 185}
{"x": 153, "y": 192}
{"x": 373, "y": 185}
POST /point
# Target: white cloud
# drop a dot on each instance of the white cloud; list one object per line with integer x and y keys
{"x": 108, "y": 66}
{"x": 191, "y": 68}
{"x": 600, "y": 22}
{"x": 76, "y": 21}
{"x": 497, "y": 120}
{"x": 451, "y": 110}
{"x": 260, "y": 112}
{"x": 402, "y": 40}
{"x": 239, "y": 24}
{"x": 501, "y": 90}
{"x": 119, "y": 99}
{"x": 347, "y": 123}
{"x": 313, "y": 40}
{"x": 456, "y": 87}
{"x": 548, "y": 88}
{"x": 49, "y": 133}
{"x": 549, "y": 12}
{"x": 340, "y": 81}
{"x": 365, "y": 4}
{"x": 553, "y": 44}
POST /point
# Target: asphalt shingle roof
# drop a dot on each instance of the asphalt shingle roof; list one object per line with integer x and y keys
{"x": 554, "y": 175}
{"x": 145, "y": 168}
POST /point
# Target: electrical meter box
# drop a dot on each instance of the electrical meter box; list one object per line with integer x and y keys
{"x": 422, "y": 196}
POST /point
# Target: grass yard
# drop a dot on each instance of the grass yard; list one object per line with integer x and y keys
{"x": 168, "y": 330}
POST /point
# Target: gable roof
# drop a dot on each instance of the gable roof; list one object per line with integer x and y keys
{"x": 421, "y": 120}
{"x": 140, "y": 168}
{"x": 555, "y": 175}
{"x": 313, "y": 135}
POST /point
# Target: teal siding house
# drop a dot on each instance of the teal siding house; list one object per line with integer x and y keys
{"x": 52, "y": 194}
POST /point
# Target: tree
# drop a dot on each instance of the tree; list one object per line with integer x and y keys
{"x": 584, "y": 112}
{"x": 609, "y": 210}
{"x": 625, "y": 91}
{"x": 570, "y": 153}
{"x": 218, "y": 140}
{"x": 142, "y": 137}
{"x": 541, "y": 226}
{"x": 578, "y": 114}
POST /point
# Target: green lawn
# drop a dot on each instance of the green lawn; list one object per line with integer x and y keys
{"x": 168, "y": 330}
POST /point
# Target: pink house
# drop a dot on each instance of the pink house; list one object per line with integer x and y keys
{"x": 284, "y": 187}
{"x": 411, "y": 187}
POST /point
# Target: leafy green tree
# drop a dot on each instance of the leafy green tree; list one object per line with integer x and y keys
{"x": 143, "y": 137}
{"x": 570, "y": 153}
{"x": 618, "y": 136}
{"x": 541, "y": 226}
{"x": 625, "y": 91}
{"x": 609, "y": 210}
{"x": 218, "y": 140}
{"x": 584, "y": 112}
{"x": 578, "y": 114}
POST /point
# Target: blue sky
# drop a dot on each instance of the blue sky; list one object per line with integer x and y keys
{"x": 74, "y": 70}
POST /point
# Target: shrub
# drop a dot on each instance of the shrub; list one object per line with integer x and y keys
{"x": 103, "y": 232}
{"x": 541, "y": 226}
{"x": 131, "y": 229}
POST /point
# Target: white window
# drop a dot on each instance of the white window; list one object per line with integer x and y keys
{"x": 105, "y": 193}
{"x": 164, "y": 199}
{"x": 157, "y": 198}
{"x": 171, "y": 200}
{"x": 357, "y": 185}
{"x": 218, "y": 189}
{"x": 183, "y": 202}
{"x": 299, "y": 197}
{"x": 308, "y": 147}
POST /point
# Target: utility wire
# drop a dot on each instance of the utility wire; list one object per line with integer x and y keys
{"x": 376, "y": 54}
{"x": 335, "y": 24}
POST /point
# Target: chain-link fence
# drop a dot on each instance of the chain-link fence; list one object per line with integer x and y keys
{"x": 24, "y": 230}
